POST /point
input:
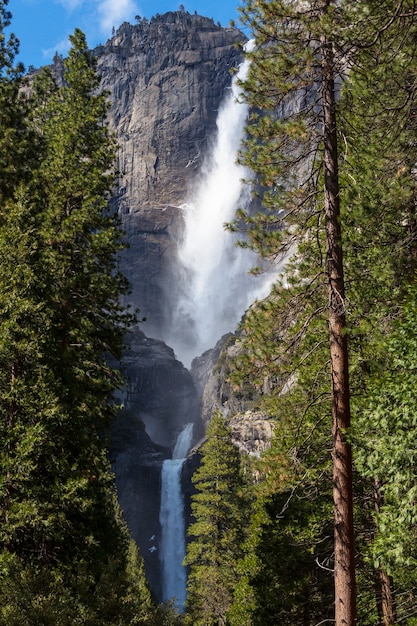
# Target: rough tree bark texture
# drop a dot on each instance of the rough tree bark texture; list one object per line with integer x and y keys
{"x": 344, "y": 565}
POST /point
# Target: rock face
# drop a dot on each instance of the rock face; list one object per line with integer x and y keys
{"x": 159, "y": 399}
{"x": 160, "y": 390}
{"x": 252, "y": 430}
{"x": 166, "y": 79}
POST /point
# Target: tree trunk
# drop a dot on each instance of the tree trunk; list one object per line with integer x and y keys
{"x": 386, "y": 604}
{"x": 344, "y": 563}
{"x": 385, "y": 594}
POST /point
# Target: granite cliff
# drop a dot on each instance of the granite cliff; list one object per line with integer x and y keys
{"x": 166, "y": 79}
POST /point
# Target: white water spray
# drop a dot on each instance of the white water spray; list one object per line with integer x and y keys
{"x": 215, "y": 288}
{"x": 171, "y": 517}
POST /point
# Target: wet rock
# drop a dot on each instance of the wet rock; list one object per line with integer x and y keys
{"x": 159, "y": 399}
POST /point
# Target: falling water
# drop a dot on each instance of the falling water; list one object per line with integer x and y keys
{"x": 214, "y": 287}
{"x": 171, "y": 517}
{"x": 213, "y": 291}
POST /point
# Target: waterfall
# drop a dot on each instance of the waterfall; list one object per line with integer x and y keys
{"x": 212, "y": 292}
{"x": 214, "y": 288}
{"x": 171, "y": 517}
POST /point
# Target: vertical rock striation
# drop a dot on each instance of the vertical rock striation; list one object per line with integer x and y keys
{"x": 166, "y": 79}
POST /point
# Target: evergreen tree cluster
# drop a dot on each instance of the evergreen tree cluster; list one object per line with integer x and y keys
{"x": 66, "y": 557}
{"x": 332, "y": 139}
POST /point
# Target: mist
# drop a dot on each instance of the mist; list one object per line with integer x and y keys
{"x": 214, "y": 288}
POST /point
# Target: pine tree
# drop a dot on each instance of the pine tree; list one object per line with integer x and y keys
{"x": 302, "y": 51}
{"x": 65, "y": 554}
{"x": 287, "y": 565}
{"x": 14, "y": 144}
{"x": 293, "y": 147}
{"x": 218, "y": 508}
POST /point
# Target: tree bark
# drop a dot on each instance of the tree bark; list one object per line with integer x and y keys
{"x": 385, "y": 593}
{"x": 386, "y": 604}
{"x": 344, "y": 562}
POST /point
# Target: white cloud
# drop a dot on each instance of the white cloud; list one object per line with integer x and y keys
{"x": 71, "y": 5}
{"x": 114, "y": 12}
{"x": 62, "y": 47}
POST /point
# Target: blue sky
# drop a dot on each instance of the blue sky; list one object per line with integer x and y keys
{"x": 43, "y": 26}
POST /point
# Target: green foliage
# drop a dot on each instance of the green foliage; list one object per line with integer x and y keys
{"x": 283, "y": 352}
{"x": 16, "y": 146}
{"x": 65, "y": 554}
{"x": 219, "y": 509}
{"x": 386, "y": 450}
{"x": 284, "y": 144}
{"x": 378, "y": 189}
{"x": 383, "y": 436}
{"x": 378, "y": 199}
{"x": 54, "y": 596}
{"x": 291, "y": 528}
{"x": 290, "y": 587}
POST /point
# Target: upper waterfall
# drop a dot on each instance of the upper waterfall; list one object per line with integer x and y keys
{"x": 214, "y": 288}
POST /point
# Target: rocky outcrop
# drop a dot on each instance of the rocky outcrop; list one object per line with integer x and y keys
{"x": 160, "y": 390}
{"x": 211, "y": 376}
{"x": 159, "y": 399}
{"x": 252, "y": 430}
{"x": 202, "y": 369}
{"x": 166, "y": 79}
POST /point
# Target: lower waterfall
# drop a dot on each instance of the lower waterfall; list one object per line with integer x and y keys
{"x": 171, "y": 517}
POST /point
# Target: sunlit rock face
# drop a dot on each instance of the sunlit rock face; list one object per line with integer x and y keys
{"x": 166, "y": 79}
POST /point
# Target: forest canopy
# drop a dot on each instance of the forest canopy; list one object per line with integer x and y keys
{"x": 320, "y": 529}
{"x": 66, "y": 557}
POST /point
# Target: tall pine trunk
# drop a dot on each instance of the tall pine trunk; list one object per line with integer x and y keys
{"x": 344, "y": 563}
